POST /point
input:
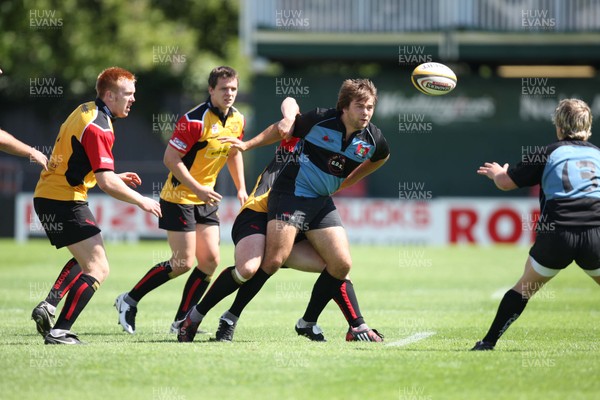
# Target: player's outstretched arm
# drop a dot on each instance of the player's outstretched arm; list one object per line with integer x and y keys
{"x": 364, "y": 169}
{"x": 114, "y": 186}
{"x": 498, "y": 174}
{"x": 235, "y": 164}
{"x": 273, "y": 133}
{"x": 266, "y": 137}
{"x": 11, "y": 145}
{"x": 289, "y": 110}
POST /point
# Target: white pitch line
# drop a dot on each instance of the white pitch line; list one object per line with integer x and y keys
{"x": 411, "y": 339}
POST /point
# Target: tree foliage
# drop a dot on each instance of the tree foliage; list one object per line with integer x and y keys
{"x": 73, "y": 40}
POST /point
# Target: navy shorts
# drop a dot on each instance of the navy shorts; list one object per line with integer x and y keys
{"x": 304, "y": 213}
{"x": 184, "y": 217}
{"x": 558, "y": 248}
{"x": 65, "y": 222}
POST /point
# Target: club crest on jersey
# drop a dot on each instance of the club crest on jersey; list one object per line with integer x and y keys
{"x": 336, "y": 164}
{"x": 362, "y": 150}
{"x": 234, "y": 127}
{"x": 214, "y": 129}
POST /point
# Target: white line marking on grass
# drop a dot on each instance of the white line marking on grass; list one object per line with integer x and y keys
{"x": 411, "y": 339}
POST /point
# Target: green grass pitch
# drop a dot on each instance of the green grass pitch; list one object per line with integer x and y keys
{"x": 432, "y": 304}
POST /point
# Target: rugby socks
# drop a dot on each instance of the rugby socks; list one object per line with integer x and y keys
{"x": 157, "y": 275}
{"x": 228, "y": 316}
{"x": 195, "y": 316}
{"x": 323, "y": 291}
{"x": 247, "y": 292}
{"x": 346, "y": 299}
{"x": 228, "y": 282}
{"x": 512, "y": 305}
{"x": 192, "y": 292}
{"x": 80, "y": 294}
{"x": 66, "y": 279}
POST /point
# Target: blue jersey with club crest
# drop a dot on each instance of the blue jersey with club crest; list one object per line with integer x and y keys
{"x": 325, "y": 157}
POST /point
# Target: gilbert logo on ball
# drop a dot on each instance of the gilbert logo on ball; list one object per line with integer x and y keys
{"x": 433, "y": 78}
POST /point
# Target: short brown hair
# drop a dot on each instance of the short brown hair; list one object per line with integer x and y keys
{"x": 573, "y": 117}
{"x": 355, "y": 89}
{"x": 221, "y": 72}
{"x": 108, "y": 79}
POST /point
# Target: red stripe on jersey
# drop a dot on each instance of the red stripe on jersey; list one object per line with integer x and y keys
{"x": 81, "y": 289}
{"x": 243, "y": 130}
{"x": 186, "y": 133}
{"x": 149, "y": 275}
{"x": 289, "y": 144}
{"x": 98, "y": 144}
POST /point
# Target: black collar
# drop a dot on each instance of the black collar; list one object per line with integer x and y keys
{"x": 101, "y": 105}
{"x": 218, "y": 112}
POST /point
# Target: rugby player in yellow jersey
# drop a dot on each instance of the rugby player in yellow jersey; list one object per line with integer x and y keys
{"x": 189, "y": 203}
{"x": 82, "y": 156}
{"x": 249, "y": 236}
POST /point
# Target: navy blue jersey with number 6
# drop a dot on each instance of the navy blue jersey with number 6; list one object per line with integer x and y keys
{"x": 569, "y": 174}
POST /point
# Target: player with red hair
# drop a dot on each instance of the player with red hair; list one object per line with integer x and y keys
{"x": 82, "y": 156}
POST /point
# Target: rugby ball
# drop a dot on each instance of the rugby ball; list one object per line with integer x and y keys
{"x": 433, "y": 78}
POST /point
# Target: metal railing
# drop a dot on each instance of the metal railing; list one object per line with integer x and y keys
{"x": 390, "y": 16}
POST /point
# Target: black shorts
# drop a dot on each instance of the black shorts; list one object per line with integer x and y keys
{"x": 65, "y": 222}
{"x": 249, "y": 222}
{"x": 304, "y": 213}
{"x": 184, "y": 217}
{"x": 558, "y": 248}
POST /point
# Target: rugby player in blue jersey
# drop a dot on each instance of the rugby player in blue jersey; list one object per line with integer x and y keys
{"x": 248, "y": 234}
{"x": 568, "y": 228}
{"x": 337, "y": 148}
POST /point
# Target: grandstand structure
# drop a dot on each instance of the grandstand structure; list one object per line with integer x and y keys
{"x": 495, "y": 31}
{"x": 514, "y": 60}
